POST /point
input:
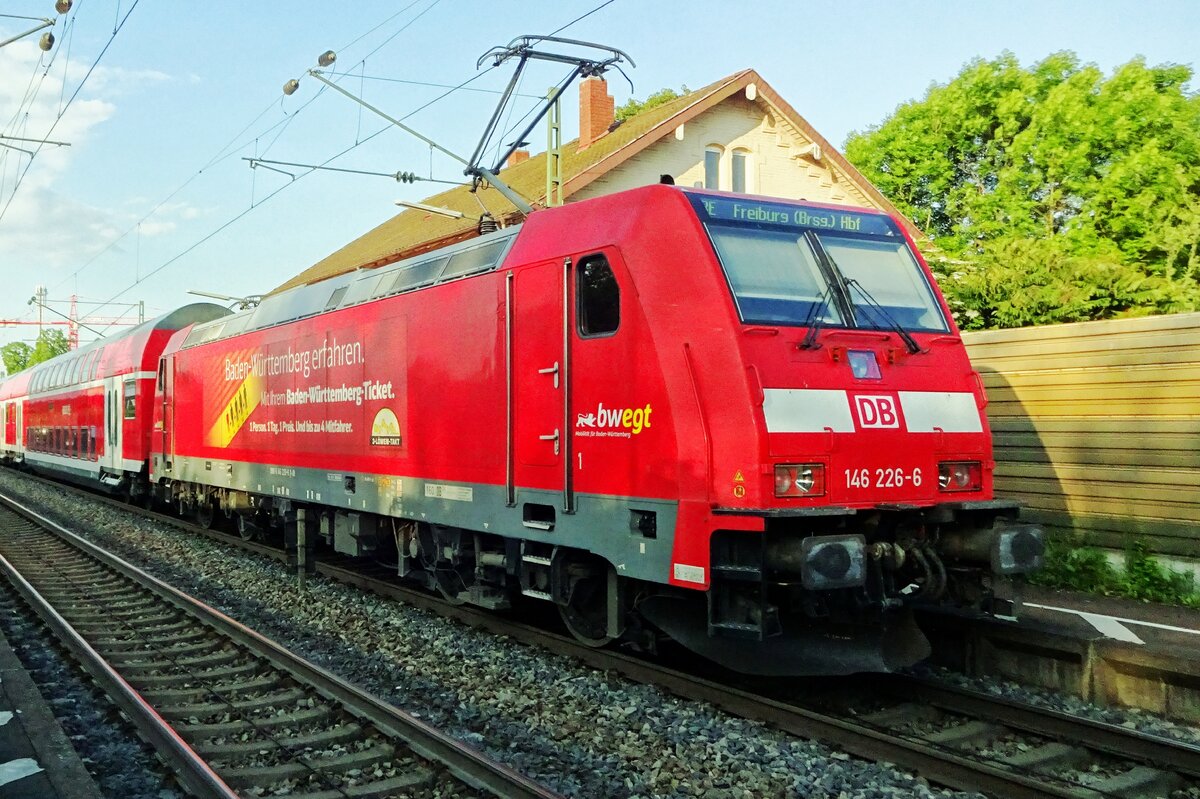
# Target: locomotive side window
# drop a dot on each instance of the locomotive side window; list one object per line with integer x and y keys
{"x": 474, "y": 260}
{"x": 335, "y": 298}
{"x": 130, "y": 399}
{"x": 598, "y": 308}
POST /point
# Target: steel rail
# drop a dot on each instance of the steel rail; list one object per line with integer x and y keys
{"x": 465, "y": 762}
{"x": 192, "y": 771}
{"x": 1178, "y": 756}
{"x": 936, "y": 763}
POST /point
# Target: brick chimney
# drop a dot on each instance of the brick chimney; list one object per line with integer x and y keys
{"x": 517, "y": 157}
{"x": 597, "y": 110}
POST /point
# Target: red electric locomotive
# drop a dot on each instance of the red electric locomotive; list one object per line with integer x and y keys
{"x": 744, "y": 423}
{"x": 84, "y": 416}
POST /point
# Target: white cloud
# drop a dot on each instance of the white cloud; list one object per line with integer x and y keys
{"x": 41, "y": 225}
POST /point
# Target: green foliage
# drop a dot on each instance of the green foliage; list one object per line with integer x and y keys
{"x": 1144, "y": 578}
{"x": 1087, "y": 569}
{"x": 49, "y": 344}
{"x": 1050, "y": 193}
{"x": 660, "y": 97}
{"x": 1075, "y": 569}
{"x": 18, "y": 355}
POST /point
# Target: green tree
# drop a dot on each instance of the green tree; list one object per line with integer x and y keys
{"x": 49, "y": 344}
{"x": 18, "y": 355}
{"x": 1050, "y": 193}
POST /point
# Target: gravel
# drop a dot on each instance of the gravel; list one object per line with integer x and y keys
{"x": 109, "y": 747}
{"x": 582, "y": 732}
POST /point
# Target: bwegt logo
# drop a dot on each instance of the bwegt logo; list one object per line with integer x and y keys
{"x": 876, "y": 410}
{"x": 632, "y": 419}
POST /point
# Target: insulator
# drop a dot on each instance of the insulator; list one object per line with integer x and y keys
{"x": 487, "y": 224}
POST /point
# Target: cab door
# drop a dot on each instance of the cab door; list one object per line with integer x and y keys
{"x": 539, "y": 351}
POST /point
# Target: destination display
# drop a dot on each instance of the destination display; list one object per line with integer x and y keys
{"x": 738, "y": 209}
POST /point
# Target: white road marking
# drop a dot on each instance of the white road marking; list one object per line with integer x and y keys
{"x": 1096, "y": 619}
{"x": 18, "y": 769}
{"x": 5, "y": 717}
{"x": 1111, "y": 628}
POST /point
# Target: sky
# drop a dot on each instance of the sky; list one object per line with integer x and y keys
{"x": 162, "y": 102}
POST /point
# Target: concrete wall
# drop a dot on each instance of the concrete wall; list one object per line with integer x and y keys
{"x": 1097, "y": 427}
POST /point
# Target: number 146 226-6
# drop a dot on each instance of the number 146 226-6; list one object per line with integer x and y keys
{"x": 890, "y": 477}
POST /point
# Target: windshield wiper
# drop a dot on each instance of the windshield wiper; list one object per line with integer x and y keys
{"x": 813, "y": 321}
{"x": 909, "y": 342}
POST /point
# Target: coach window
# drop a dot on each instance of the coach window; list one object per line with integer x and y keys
{"x": 598, "y": 309}
{"x": 130, "y": 399}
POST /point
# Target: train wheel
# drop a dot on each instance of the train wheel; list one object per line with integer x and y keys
{"x": 247, "y": 529}
{"x": 585, "y": 611}
{"x": 451, "y": 584}
{"x": 204, "y": 514}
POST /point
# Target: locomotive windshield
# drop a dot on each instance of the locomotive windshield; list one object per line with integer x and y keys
{"x": 798, "y": 265}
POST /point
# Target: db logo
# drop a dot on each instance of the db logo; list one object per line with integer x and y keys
{"x": 876, "y": 411}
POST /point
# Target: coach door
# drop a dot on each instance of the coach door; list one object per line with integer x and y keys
{"x": 539, "y": 369}
{"x": 166, "y": 385}
{"x": 111, "y": 460}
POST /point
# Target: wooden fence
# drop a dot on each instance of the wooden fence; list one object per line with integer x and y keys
{"x": 1097, "y": 427}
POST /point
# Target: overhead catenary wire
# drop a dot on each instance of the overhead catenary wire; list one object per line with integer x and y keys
{"x": 235, "y": 143}
{"x": 83, "y": 81}
{"x": 225, "y": 225}
{"x": 275, "y": 193}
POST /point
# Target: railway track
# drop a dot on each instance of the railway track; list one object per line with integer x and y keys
{"x": 231, "y": 713}
{"x": 953, "y": 737}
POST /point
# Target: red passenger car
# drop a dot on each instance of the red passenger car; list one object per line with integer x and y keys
{"x": 666, "y": 411}
{"x": 85, "y": 415}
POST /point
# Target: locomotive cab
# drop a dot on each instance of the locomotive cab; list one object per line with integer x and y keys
{"x": 873, "y": 475}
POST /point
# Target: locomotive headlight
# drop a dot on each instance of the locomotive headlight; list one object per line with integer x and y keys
{"x": 960, "y": 475}
{"x": 799, "y": 479}
{"x": 833, "y": 561}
